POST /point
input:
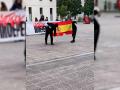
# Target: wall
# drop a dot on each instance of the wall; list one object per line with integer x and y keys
{"x": 45, "y": 4}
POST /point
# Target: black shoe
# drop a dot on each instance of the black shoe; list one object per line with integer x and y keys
{"x": 52, "y": 44}
{"x": 73, "y": 41}
{"x": 46, "y": 44}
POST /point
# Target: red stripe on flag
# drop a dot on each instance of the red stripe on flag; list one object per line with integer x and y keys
{"x": 68, "y": 32}
{"x": 64, "y": 22}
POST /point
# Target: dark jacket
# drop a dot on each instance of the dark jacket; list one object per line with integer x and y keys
{"x": 74, "y": 26}
{"x": 96, "y": 26}
{"x": 51, "y": 28}
{"x": 16, "y": 6}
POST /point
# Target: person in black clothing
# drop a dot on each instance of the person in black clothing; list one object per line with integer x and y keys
{"x": 74, "y": 28}
{"x": 96, "y": 31}
{"x": 25, "y": 53}
{"x": 17, "y": 5}
{"x": 3, "y": 7}
{"x": 42, "y": 18}
{"x": 36, "y": 20}
{"x": 50, "y": 30}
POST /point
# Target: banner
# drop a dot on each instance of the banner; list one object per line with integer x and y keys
{"x": 12, "y": 25}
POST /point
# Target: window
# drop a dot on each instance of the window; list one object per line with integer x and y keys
{"x": 41, "y": 11}
{"x": 51, "y": 14}
{"x": 96, "y": 2}
{"x": 30, "y": 10}
{"x": 51, "y": 11}
{"x": 30, "y": 13}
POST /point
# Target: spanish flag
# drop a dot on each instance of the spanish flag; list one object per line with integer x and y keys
{"x": 64, "y": 27}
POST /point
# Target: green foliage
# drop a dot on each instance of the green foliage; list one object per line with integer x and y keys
{"x": 71, "y": 7}
{"x": 62, "y": 11}
{"x": 88, "y": 7}
{"x": 75, "y": 7}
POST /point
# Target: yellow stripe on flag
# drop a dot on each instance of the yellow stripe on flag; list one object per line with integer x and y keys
{"x": 65, "y": 28}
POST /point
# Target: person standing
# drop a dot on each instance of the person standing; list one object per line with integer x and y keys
{"x": 50, "y": 30}
{"x": 3, "y": 7}
{"x": 74, "y": 31}
{"x": 96, "y": 30}
{"x": 17, "y": 5}
{"x": 41, "y": 18}
{"x": 36, "y": 20}
{"x": 46, "y": 19}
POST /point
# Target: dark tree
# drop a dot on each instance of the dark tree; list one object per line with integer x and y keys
{"x": 88, "y": 7}
{"x": 75, "y": 7}
{"x": 69, "y": 7}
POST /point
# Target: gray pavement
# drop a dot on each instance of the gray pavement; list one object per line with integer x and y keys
{"x": 107, "y": 65}
{"x": 37, "y": 51}
{"x": 68, "y": 74}
{"x": 12, "y": 66}
{"x": 64, "y": 66}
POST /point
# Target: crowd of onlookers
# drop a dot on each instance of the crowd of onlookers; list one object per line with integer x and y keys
{"x": 17, "y": 4}
{"x": 42, "y": 18}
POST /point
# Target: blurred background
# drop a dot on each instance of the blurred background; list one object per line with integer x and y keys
{"x": 9, "y": 3}
{"x": 106, "y": 66}
{"x": 107, "y": 5}
{"x": 12, "y": 20}
{"x": 12, "y": 45}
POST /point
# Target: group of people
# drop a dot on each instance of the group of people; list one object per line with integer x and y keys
{"x": 51, "y": 30}
{"x": 16, "y": 5}
{"x": 41, "y": 18}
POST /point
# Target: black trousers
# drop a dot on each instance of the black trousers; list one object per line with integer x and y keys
{"x": 46, "y": 37}
{"x": 96, "y": 37}
{"x": 74, "y": 34}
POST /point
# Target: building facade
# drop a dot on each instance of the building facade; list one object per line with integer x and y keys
{"x": 106, "y": 5}
{"x": 36, "y": 8}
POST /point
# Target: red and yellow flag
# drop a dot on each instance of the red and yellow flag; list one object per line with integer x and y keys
{"x": 64, "y": 27}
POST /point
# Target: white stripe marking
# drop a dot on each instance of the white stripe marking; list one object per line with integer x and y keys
{"x": 62, "y": 58}
{"x": 118, "y": 88}
{"x": 11, "y": 39}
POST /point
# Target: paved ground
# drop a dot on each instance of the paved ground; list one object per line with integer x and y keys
{"x": 37, "y": 51}
{"x": 67, "y": 74}
{"x": 12, "y": 67}
{"x": 64, "y": 66}
{"x": 107, "y": 66}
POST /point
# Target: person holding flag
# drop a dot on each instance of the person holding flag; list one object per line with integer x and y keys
{"x": 50, "y": 30}
{"x": 74, "y": 31}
